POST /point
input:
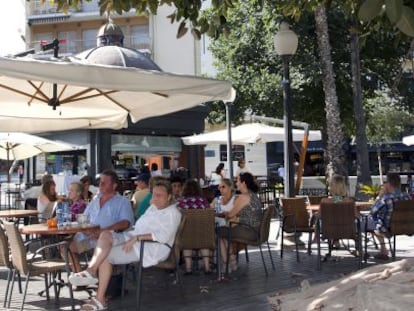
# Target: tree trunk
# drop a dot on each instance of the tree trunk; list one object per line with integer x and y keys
{"x": 334, "y": 154}
{"x": 363, "y": 172}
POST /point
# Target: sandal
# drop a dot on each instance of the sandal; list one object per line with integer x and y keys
{"x": 94, "y": 304}
{"x": 83, "y": 278}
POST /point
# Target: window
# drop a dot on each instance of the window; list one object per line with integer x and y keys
{"x": 39, "y": 38}
{"x": 89, "y": 38}
{"x": 237, "y": 150}
{"x": 71, "y": 45}
{"x": 140, "y": 38}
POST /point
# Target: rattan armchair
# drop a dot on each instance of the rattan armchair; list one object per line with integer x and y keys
{"x": 262, "y": 236}
{"x": 5, "y": 261}
{"x": 199, "y": 230}
{"x": 36, "y": 265}
{"x": 402, "y": 222}
{"x": 337, "y": 221}
{"x": 171, "y": 263}
{"x": 296, "y": 219}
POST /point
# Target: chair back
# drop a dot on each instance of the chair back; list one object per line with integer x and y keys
{"x": 17, "y": 249}
{"x": 338, "y": 220}
{"x": 402, "y": 218}
{"x": 170, "y": 262}
{"x": 295, "y": 213}
{"x": 265, "y": 224}
{"x": 4, "y": 249}
{"x": 199, "y": 229}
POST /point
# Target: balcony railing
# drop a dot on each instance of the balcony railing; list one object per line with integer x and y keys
{"x": 37, "y": 8}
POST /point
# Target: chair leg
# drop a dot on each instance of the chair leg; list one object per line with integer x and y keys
{"x": 19, "y": 277}
{"x": 309, "y": 243}
{"x": 270, "y": 255}
{"x": 46, "y": 287}
{"x": 297, "y": 246}
{"x": 25, "y": 291}
{"x": 318, "y": 241}
{"x": 11, "y": 289}
{"x": 124, "y": 276}
{"x": 6, "y": 296}
{"x": 393, "y": 249}
{"x": 281, "y": 243}
{"x": 264, "y": 263}
{"x": 246, "y": 252}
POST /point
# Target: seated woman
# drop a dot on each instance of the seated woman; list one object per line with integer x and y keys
{"x": 46, "y": 200}
{"x": 159, "y": 223}
{"x": 226, "y": 199}
{"x": 76, "y": 201}
{"x": 248, "y": 208}
{"x": 192, "y": 199}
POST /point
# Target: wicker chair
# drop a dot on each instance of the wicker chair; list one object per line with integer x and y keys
{"x": 171, "y": 263}
{"x": 337, "y": 221}
{"x": 35, "y": 266}
{"x": 5, "y": 261}
{"x": 402, "y": 222}
{"x": 199, "y": 229}
{"x": 262, "y": 236}
{"x": 296, "y": 219}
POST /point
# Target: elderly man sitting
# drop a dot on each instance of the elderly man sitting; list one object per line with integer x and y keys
{"x": 382, "y": 210}
{"x": 159, "y": 223}
{"x": 109, "y": 210}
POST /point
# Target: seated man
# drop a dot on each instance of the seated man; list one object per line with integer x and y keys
{"x": 382, "y": 209}
{"x": 109, "y": 210}
{"x": 159, "y": 223}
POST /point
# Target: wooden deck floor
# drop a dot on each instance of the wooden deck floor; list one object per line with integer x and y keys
{"x": 246, "y": 289}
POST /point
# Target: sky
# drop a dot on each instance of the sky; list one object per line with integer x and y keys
{"x": 11, "y": 21}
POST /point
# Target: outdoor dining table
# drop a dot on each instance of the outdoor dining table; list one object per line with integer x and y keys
{"x": 43, "y": 229}
{"x": 18, "y": 213}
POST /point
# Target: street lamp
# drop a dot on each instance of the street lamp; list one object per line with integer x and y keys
{"x": 286, "y": 43}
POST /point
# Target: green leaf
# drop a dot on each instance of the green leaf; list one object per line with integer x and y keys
{"x": 182, "y": 30}
{"x": 370, "y": 9}
{"x": 406, "y": 22}
{"x": 394, "y": 9}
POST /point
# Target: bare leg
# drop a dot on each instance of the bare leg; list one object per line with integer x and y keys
{"x": 101, "y": 252}
{"x": 105, "y": 273}
{"x": 187, "y": 253}
{"x": 383, "y": 249}
{"x": 205, "y": 253}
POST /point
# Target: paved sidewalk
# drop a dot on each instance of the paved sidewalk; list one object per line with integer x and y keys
{"x": 246, "y": 289}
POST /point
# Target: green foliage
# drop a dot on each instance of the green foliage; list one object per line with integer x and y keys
{"x": 371, "y": 190}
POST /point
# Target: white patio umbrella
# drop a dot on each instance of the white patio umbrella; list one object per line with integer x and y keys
{"x": 249, "y": 133}
{"x": 408, "y": 140}
{"x": 19, "y": 146}
{"x": 93, "y": 96}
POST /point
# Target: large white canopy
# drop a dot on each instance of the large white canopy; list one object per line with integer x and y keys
{"x": 249, "y": 133}
{"x": 94, "y": 96}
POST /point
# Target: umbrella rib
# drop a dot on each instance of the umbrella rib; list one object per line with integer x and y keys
{"x": 31, "y": 96}
{"x": 106, "y": 94}
{"x": 78, "y": 96}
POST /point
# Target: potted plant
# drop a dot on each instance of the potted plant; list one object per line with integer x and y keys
{"x": 371, "y": 190}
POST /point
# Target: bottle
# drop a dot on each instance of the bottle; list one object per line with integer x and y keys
{"x": 67, "y": 214}
{"x": 218, "y": 204}
{"x": 60, "y": 216}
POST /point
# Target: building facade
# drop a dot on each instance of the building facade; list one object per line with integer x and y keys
{"x": 151, "y": 140}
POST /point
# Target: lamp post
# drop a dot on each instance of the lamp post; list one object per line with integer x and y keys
{"x": 286, "y": 43}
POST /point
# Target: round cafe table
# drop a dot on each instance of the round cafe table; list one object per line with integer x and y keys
{"x": 18, "y": 213}
{"x": 43, "y": 229}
